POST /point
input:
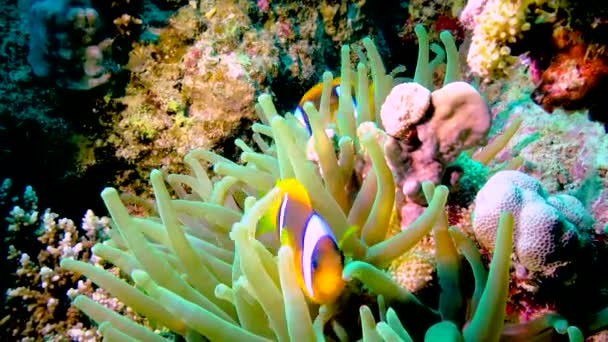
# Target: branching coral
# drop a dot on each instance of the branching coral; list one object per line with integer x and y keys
{"x": 35, "y": 303}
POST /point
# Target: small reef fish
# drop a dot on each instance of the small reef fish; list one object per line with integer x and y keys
{"x": 314, "y": 95}
{"x": 318, "y": 260}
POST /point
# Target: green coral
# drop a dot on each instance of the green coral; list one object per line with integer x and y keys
{"x": 466, "y": 177}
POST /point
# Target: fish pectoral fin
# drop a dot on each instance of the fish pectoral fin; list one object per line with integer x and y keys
{"x": 286, "y": 238}
{"x": 265, "y": 225}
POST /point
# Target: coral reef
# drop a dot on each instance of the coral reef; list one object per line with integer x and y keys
{"x": 36, "y": 303}
{"x": 257, "y": 179}
{"x": 495, "y": 24}
{"x": 195, "y": 86}
{"x": 565, "y": 152}
{"x": 333, "y": 14}
{"x": 562, "y": 42}
{"x": 437, "y": 15}
{"x": 45, "y": 121}
{"x": 442, "y": 239}
{"x": 191, "y": 89}
{"x": 29, "y": 125}
{"x": 104, "y": 135}
{"x": 576, "y": 75}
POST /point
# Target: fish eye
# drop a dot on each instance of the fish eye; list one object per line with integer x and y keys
{"x": 314, "y": 264}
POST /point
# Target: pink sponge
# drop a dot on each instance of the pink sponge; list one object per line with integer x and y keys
{"x": 549, "y": 230}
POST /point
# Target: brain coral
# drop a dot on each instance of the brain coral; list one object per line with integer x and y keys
{"x": 548, "y": 230}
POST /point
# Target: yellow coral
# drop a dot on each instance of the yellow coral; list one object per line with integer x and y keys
{"x": 497, "y": 25}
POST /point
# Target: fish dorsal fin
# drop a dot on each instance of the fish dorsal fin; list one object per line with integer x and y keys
{"x": 313, "y": 94}
{"x": 295, "y": 190}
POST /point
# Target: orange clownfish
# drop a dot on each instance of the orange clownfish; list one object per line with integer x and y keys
{"x": 314, "y": 95}
{"x": 318, "y": 260}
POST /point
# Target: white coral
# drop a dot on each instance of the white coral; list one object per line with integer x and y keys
{"x": 548, "y": 229}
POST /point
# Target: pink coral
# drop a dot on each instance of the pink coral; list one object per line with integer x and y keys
{"x": 427, "y": 131}
{"x": 263, "y": 5}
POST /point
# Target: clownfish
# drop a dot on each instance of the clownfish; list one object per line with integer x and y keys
{"x": 314, "y": 95}
{"x": 318, "y": 260}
